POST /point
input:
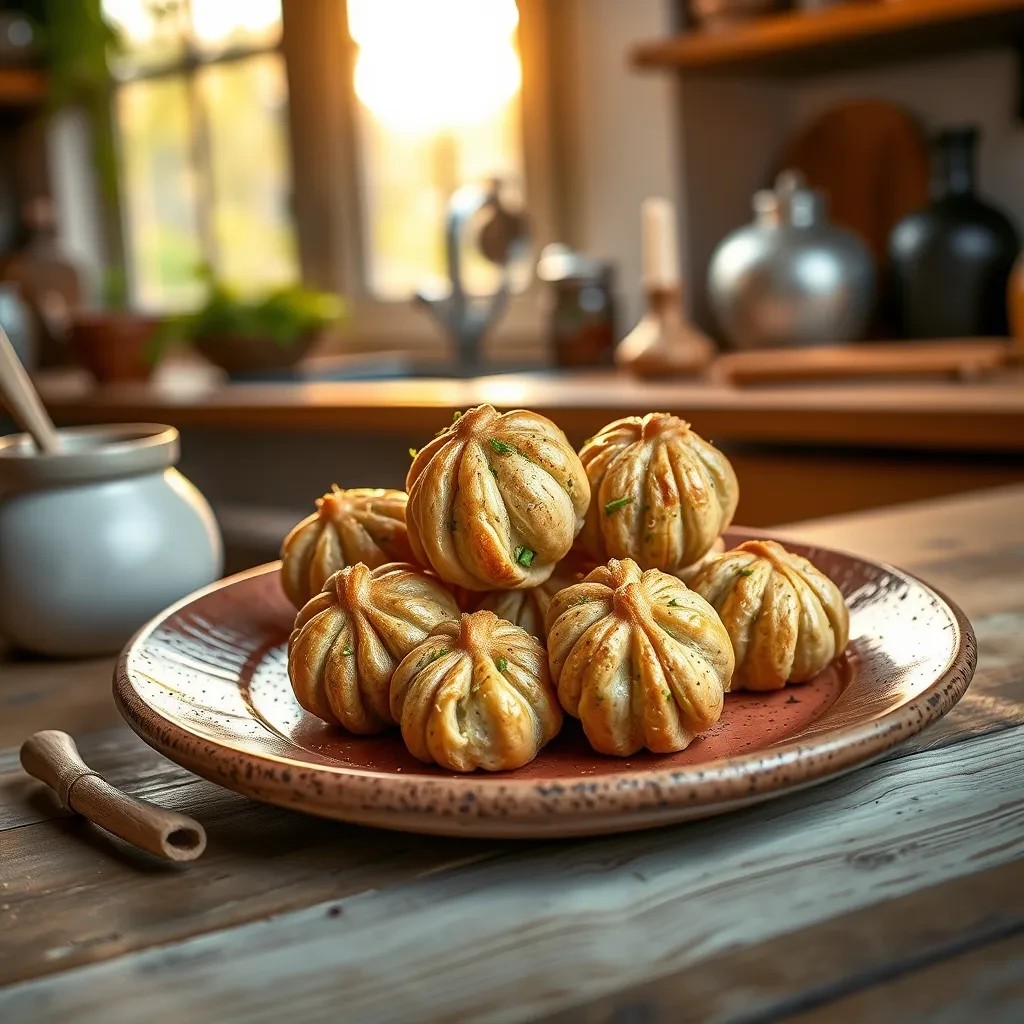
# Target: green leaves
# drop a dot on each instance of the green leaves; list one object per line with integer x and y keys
{"x": 413, "y": 452}
{"x": 500, "y": 447}
{"x": 613, "y": 506}
{"x": 525, "y": 556}
{"x": 347, "y": 651}
{"x": 284, "y": 315}
{"x": 745, "y": 572}
{"x": 501, "y": 663}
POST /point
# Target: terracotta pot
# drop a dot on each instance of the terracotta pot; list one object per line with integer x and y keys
{"x": 113, "y": 346}
{"x": 240, "y": 356}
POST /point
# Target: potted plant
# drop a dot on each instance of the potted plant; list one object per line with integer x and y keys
{"x": 114, "y": 343}
{"x": 268, "y": 331}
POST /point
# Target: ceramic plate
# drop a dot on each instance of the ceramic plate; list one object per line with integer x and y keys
{"x": 205, "y": 683}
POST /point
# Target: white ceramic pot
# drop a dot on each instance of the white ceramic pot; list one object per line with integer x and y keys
{"x": 97, "y": 539}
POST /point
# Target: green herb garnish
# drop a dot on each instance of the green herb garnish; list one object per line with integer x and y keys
{"x": 745, "y": 572}
{"x": 502, "y": 664}
{"x": 500, "y": 447}
{"x": 434, "y": 655}
{"x": 525, "y": 556}
{"x": 668, "y": 694}
{"x": 456, "y": 416}
{"x": 616, "y": 504}
{"x": 673, "y": 603}
{"x": 347, "y": 651}
{"x": 413, "y": 452}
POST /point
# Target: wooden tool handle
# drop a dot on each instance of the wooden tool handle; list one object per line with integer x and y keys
{"x": 53, "y": 758}
{"x": 23, "y": 399}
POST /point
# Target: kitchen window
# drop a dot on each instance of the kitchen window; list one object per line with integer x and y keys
{"x": 273, "y": 138}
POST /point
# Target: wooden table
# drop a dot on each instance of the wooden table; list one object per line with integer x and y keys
{"x": 896, "y": 893}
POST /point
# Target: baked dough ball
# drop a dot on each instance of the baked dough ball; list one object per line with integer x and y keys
{"x": 496, "y": 501}
{"x": 476, "y": 694}
{"x": 638, "y": 658}
{"x": 528, "y": 608}
{"x": 363, "y": 524}
{"x": 349, "y": 638}
{"x": 786, "y": 619}
{"x": 661, "y": 494}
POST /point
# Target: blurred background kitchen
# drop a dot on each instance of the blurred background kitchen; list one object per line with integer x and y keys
{"x": 305, "y": 231}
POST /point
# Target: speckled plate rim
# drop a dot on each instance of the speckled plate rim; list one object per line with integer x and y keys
{"x": 539, "y": 808}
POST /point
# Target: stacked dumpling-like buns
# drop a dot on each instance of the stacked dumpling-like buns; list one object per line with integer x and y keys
{"x": 787, "y": 620}
{"x": 349, "y": 638}
{"x": 518, "y": 579}
{"x": 363, "y": 524}
{"x": 495, "y": 502}
{"x": 662, "y": 495}
{"x": 476, "y": 694}
{"x": 638, "y": 658}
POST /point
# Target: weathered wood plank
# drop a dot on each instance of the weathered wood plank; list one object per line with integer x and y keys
{"x": 986, "y": 984}
{"x": 823, "y": 964}
{"x": 38, "y": 694}
{"x": 74, "y": 894}
{"x": 547, "y": 926}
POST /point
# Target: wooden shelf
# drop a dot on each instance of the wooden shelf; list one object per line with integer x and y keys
{"x": 22, "y": 87}
{"x": 848, "y": 35}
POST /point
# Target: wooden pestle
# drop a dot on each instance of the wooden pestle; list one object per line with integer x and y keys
{"x": 52, "y": 757}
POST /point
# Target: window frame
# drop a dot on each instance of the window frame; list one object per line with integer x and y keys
{"x": 323, "y": 143}
{"x": 326, "y": 168}
{"x": 192, "y": 61}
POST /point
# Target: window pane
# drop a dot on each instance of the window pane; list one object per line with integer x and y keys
{"x": 159, "y": 192}
{"x": 245, "y": 104}
{"x": 223, "y": 24}
{"x": 152, "y": 32}
{"x": 438, "y": 86}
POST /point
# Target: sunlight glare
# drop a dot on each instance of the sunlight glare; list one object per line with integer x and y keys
{"x": 424, "y": 68}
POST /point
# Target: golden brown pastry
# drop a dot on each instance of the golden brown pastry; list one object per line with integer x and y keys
{"x": 496, "y": 501}
{"x": 363, "y": 524}
{"x": 638, "y": 658}
{"x": 476, "y": 694}
{"x": 786, "y": 619}
{"x": 349, "y": 638}
{"x": 661, "y": 494}
{"x": 528, "y": 608}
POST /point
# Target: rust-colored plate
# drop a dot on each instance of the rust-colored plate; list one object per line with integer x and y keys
{"x": 205, "y": 684}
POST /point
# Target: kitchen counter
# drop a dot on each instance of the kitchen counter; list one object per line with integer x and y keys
{"x": 982, "y": 415}
{"x": 895, "y": 893}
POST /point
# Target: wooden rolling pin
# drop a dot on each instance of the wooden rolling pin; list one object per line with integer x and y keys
{"x": 961, "y": 358}
{"x": 53, "y": 758}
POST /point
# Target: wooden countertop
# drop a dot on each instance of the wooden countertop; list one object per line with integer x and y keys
{"x": 985, "y": 415}
{"x": 895, "y": 893}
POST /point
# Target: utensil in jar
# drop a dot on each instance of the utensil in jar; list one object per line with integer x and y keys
{"x": 23, "y": 400}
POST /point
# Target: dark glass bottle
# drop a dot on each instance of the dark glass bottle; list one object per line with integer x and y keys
{"x": 950, "y": 262}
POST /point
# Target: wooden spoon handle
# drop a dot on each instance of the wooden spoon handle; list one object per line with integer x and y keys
{"x": 23, "y": 399}
{"x": 52, "y": 757}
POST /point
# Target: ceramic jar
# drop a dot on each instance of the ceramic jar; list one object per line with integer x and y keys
{"x": 951, "y": 261}
{"x": 98, "y": 538}
{"x": 791, "y": 277}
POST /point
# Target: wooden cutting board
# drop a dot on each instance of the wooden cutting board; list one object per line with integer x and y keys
{"x": 871, "y": 158}
{"x": 961, "y": 357}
